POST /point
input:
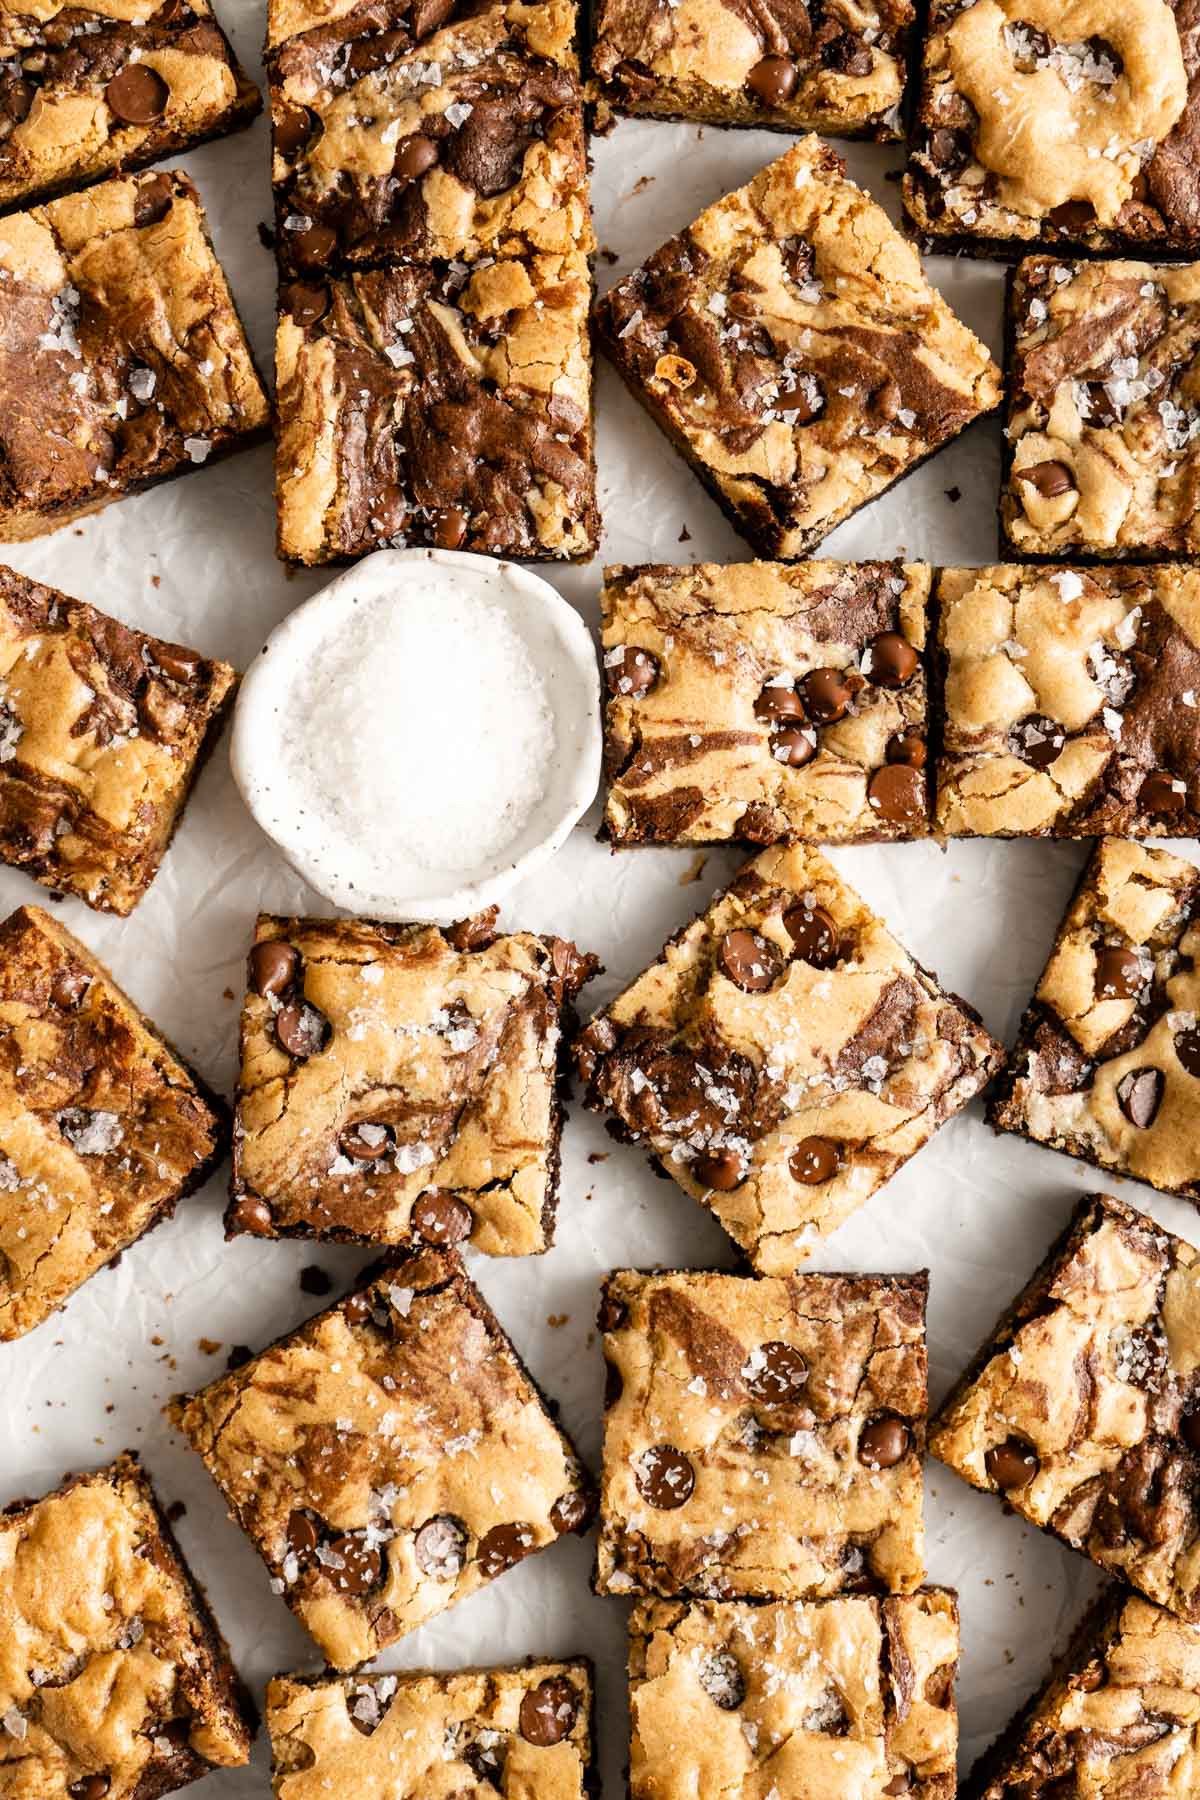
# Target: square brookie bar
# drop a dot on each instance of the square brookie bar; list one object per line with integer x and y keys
{"x": 765, "y": 702}
{"x": 105, "y": 88}
{"x": 104, "y": 1127}
{"x": 778, "y": 65}
{"x": 102, "y": 732}
{"x": 1082, "y": 1407}
{"x": 783, "y": 1057}
{"x": 762, "y": 1437}
{"x": 123, "y": 360}
{"x": 1071, "y": 701}
{"x": 793, "y": 351}
{"x": 1107, "y": 1061}
{"x": 389, "y": 1457}
{"x": 524, "y": 1732}
{"x": 1044, "y": 123}
{"x": 436, "y": 404}
{"x": 467, "y": 146}
{"x": 402, "y": 1081}
{"x": 1115, "y": 1717}
{"x": 848, "y": 1699}
{"x": 115, "y": 1679}
{"x": 1103, "y": 438}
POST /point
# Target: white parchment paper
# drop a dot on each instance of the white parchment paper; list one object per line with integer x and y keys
{"x": 194, "y": 561}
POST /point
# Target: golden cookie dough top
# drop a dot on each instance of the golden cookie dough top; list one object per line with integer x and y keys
{"x": 373, "y": 371}
{"x": 1108, "y": 1063}
{"x": 384, "y": 30}
{"x": 1058, "y": 120}
{"x": 771, "y": 701}
{"x": 400, "y": 1081}
{"x": 102, "y": 1128}
{"x": 1121, "y": 1710}
{"x": 123, "y": 348}
{"x": 763, "y": 1437}
{"x": 100, "y": 731}
{"x": 1082, "y": 1408}
{"x": 388, "y": 1458}
{"x": 783, "y": 1056}
{"x": 521, "y": 1731}
{"x": 110, "y": 85}
{"x": 1104, "y": 409}
{"x": 110, "y": 1666}
{"x": 789, "y": 340}
{"x": 1072, "y": 701}
{"x": 851, "y": 1699}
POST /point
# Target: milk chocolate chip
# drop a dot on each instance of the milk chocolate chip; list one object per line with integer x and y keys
{"x": 773, "y": 80}
{"x": 252, "y": 1214}
{"x": 778, "y": 1373}
{"x": 441, "y": 1219}
{"x": 897, "y": 793}
{"x": 440, "y": 1547}
{"x": 719, "y": 1169}
{"x": 907, "y": 747}
{"x": 137, "y": 95}
{"x": 570, "y": 1511}
{"x": 884, "y": 1442}
{"x": 827, "y": 694}
{"x": 1118, "y": 973}
{"x": 1189, "y": 1427}
{"x": 891, "y": 660}
{"x": 548, "y": 1712}
{"x": 302, "y": 1030}
{"x": 362, "y": 1564}
{"x": 814, "y": 934}
{"x": 794, "y": 745}
{"x": 1011, "y": 1464}
{"x": 273, "y": 966}
{"x": 1139, "y": 1095}
{"x": 1162, "y": 793}
{"x": 302, "y": 1534}
{"x": 777, "y": 703}
{"x": 814, "y": 1160}
{"x": 1049, "y": 478}
{"x": 293, "y": 128}
{"x": 365, "y": 1142}
{"x": 307, "y": 304}
{"x": 90, "y": 1787}
{"x": 313, "y": 247}
{"x": 749, "y": 961}
{"x": 1187, "y": 1049}
{"x": 68, "y": 988}
{"x": 1039, "y": 740}
{"x": 631, "y": 671}
{"x": 504, "y": 1546}
{"x": 665, "y": 1477}
{"x": 414, "y": 157}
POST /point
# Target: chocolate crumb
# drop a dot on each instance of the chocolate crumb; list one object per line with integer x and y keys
{"x": 210, "y": 1346}
{"x": 954, "y": 495}
{"x": 175, "y": 1512}
{"x": 314, "y": 1280}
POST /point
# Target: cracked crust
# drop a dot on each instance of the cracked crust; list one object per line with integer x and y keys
{"x": 1058, "y": 122}
{"x": 58, "y": 67}
{"x": 102, "y": 733}
{"x": 526, "y": 1730}
{"x": 697, "y": 757}
{"x": 851, "y": 1698}
{"x": 783, "y": 1109}
{"x": 777, "y": 1394}
{"x": 790, "y": 346}
{"x": 109, "y": 1657}
{"x": 389, "y": 1457}
{"x": 104, "y": 1129}
{"x": 436, "y": 405}
{"x": 1071, "y": 702}
{"x": 1118, "y": 1714}
{"x": 123, "y": 362}
{"x": 1107, "y": 1061}
{"x": 444, "y": 1046}
{"x": 1103, "y": 384}
{"x": 1079, "y": 1410}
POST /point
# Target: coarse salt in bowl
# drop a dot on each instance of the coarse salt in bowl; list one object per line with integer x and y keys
{"x": 422, "y": 733}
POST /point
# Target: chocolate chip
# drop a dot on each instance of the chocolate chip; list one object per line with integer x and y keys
{"x": 273, "y": 966}
{"x": 777, "y": 703}
{"x": 814, "y": 1160}
{"x": 897, "y": 793}
{"x": 1072, "y": 215}
{"x": 548, "y": 1712}
{"x": 814, "y": 934}
{"x": 779, "y": 1373}
{"x": 899, "y": 1784}
{"x": 1118, "y": 974}
{"x": 306, "y": 303}
{"x": 440, "y": 1547}
{"x": 1162, "y": 793}
{"x": 137, "y": 95}
{"x": 356, "y": 1309}
{"x": 414, "y": 157}
{"x": 1187, "y": 1049}
{"x": 614, "y": 1384}
{"x": 1011, "y": 1464}
{"x": 848, "y": 56}
{"x": 90, "y": 1787}
{"x": 1049, "y": 478}
{"x": 302, "y": 1030}
{"x": 1039, "y": 740}
{"x": 176, "y": 663}
{"x": 794, "y": 745}
{"x": 570, "y": 1512}
{"x": 450, "y": 529}
{"x": 16, "y": 99}
{"x": 907, "y": 747}
{"x": 504, "y": 1546}
{"x": 313, "y": 247}
{"x": 631, "y": 671}
{"x": 891, "y": 660}
{"x": 68, "y": 988}
{"x": 749, "y": 961}
{"x": 773, "y": 80}
{"x": 1139, "y": 1095}
{"x": 252, "y": 1214}
{"x": 613, "y": 1313}
{"x": 884, "y": 1442}
{"x": 293, "y": 128}
{"x": 947, "y": 149}
{"x": 665, "y": 1477}
{"x": 1189, "y": 1428}
{"x": 826, "y": 694}
{"x": 302, "y": 1534}
{"x": 719, "y": 1169}
{"x": 362, "y": 1565}
{"x": 441, "y": 1218}
{"x": 369, "y": 1148}
{"x": 475, "y": 933}
{"x": 153, "y": 200}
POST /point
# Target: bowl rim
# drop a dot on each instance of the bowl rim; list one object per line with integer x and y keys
{"x": 578, "y": 652}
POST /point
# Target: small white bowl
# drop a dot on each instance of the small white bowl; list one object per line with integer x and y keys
{"x": 559, "y": 647}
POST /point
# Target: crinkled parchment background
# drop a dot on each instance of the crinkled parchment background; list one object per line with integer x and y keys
{"x": 194, "y": 561}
